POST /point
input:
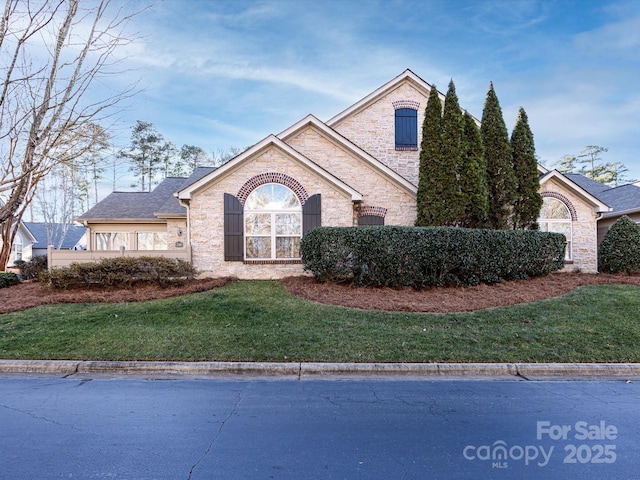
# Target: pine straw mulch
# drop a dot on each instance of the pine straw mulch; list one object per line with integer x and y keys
{"x": 449, "y": 299}
{"x": 34, "y": 294}
{"x": 434, "y": 300}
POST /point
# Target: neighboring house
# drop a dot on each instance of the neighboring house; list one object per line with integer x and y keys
{"x": 21, "y": 247}
{"x": 74, "y": 238}
{"x": 246, "y": 218}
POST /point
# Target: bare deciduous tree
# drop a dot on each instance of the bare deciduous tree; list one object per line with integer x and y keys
{"x": 51, "y": 53}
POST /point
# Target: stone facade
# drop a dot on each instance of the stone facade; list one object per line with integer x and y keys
{"x": 353, "y": 163}
{"x": 372, "y": 129}
{"x": 369, "y": 125}
{"x": 377, "y": 189}
{"x": 177, "y": 233}
{"x": 206, "y": 214}
{"x": 584, "y": 227}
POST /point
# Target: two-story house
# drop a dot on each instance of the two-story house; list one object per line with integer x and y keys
{"x": 247, "y": 217}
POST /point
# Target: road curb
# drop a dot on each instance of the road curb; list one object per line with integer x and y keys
{"x": 315, "y": 369}
{"x": 190, "y": 368}
{"x": 423, "y": 369}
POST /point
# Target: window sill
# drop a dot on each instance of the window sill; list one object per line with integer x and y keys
{"x": 273, "y": 262}
{"x": 406, "y": 149}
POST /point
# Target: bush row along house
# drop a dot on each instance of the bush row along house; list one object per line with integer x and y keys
{"x": 246, "y": 218}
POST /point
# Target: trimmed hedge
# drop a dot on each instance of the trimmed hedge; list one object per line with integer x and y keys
{"x": 122, "y": 272}
{"x": 432, "y": 256}
{"x": 619, "y": 250}
{"x": 8, "y": 279}
{"x": 34, "y": 268}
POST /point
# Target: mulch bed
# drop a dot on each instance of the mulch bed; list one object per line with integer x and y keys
{"x": 449, "y": 299}
{"x": 435, "y": 300}
{"x": 34, "y": 294}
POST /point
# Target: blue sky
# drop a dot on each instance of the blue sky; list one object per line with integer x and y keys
{"x": 220, "y": 74}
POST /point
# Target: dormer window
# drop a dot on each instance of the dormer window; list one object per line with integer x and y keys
{"x": 406, "y": 124}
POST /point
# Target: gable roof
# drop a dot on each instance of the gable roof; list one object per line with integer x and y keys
{"x": 139, "y": 206}
{"x": 407, "y": 75}
{"x": 39, "y": 230}
{"x": 590, "y": 185}
{"x": 172, "y": 207}
{"x": 347, "y": 144}
{"x": 623, "y": 199}
{"x": 599, "y": 205}
{"x": 186, "y": 192}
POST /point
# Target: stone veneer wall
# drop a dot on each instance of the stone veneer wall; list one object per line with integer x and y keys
{"x": 373, "y": 130}
{"x": 174, "y": 227}
{"x": 585, "y": 250}
{"x": 207, "y": 214}
{"x": 377, "y": 189}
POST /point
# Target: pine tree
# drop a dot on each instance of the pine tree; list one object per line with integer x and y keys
{"x": 427, "y": 206}
{"x": 501, "y": 181}
{"x": 451, "y": 155}
{"x": 473, "y": 177}
{"x": 528, "y": 201}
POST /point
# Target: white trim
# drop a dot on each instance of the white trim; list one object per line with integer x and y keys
{"x": 269, "y": 141}
{"x": 273, "y": 236}
{"x": 628, "y": 211}
{"x": 599, "y": 205}
{"x": 556, "y": 221}
{"x": 351, "y": 147}
{"x": 383, "y": 90}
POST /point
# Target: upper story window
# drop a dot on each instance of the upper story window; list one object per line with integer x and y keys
{"x": 406, "y": 121}
{"x": 555, "y": 217}
{"x": 272, "y": 223}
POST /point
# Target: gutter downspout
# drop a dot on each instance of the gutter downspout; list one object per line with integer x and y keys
{"x": 599, "y": 216}
{"x": 185, "y": 204}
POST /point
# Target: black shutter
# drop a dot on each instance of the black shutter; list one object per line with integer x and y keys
{"x": 233, "y": 229}
{"x": 406, "y": 128}
{"x": 311, "y": 213}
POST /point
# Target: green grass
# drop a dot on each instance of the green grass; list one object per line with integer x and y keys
{"x": 261, "y": 321}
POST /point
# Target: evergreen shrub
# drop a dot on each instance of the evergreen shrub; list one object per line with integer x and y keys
{"x": 619, "y": 250}
{"x": 34, "y": 268}
{"x": 8, "y": 279}
{"x": 433, "y": 256}
{"x": 122, "y": 272}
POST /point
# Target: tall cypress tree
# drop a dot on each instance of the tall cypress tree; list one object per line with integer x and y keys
{"x": 501, "y": 181}
{"x": 451, "y": 154}
{"x": 528, "y": 201}
{"x": 429, "y": 161}
{"x": 473, "y": 177}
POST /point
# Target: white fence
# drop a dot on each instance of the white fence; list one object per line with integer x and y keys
{"x": 64, "y": 258}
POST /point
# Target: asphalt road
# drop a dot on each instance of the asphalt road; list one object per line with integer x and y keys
{"x": 318, "y": 429}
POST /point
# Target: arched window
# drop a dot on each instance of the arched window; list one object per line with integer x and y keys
{"x": 273, "y": 223}
{"x": 555, "y": 217}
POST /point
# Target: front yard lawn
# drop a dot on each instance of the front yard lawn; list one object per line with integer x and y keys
{"x": 261, "y": 321}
